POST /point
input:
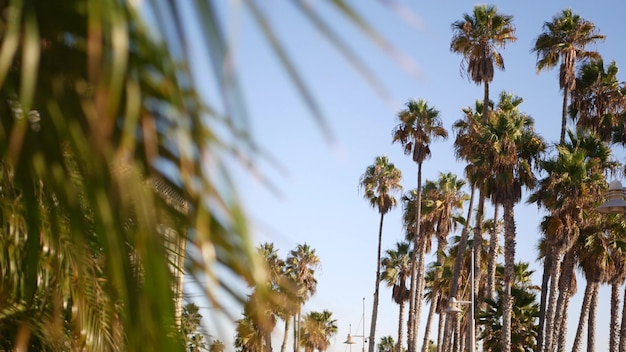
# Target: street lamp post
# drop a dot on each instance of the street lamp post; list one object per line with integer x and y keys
{"x": 615, "y": 203}
{"x": 349, "y": 339}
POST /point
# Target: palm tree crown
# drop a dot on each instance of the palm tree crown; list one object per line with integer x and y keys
{"x": 478, "y": 37}
{"x": 564, "y": 40}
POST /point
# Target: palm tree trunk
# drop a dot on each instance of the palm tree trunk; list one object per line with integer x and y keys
{"x": 296, "y": 332}
{"x": 564, "y": 298}
{"x": 456, "y": 274}
{"x": 547, "y": 264}
{"x": 440, "y": 330}
{"x": 431, "y": 315}
{"x": 509, "y": 262}
{"x": 478, "y": 240}
{"x": 411, "y": 338}
{"x": 372, "y": 338}
{"x": 400, "y": 326}
{"x": 622, "y": 334}
{"x": 591, "y": 334}
{"x": 582, "y": 319}
{"x": 283, "y": 347}
{"x": 494, "y": 243}
{"x": 614, "y": 329}
{"x": 564, "y": 114}
{"x": 554, "y": 286}
{"x": 421, "y": 282}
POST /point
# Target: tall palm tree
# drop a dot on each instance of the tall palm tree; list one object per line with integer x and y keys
{"x": 396, "y": 271}
{"x": 478, "y": 37}
{"x": 513, "y": 149}
{"x": 417, "y": 126}
{"x": 470, "y": 149}
{"x": 442, "y": 199}
{"x": 301, "y": 265}
{"x": 565, "y": 39}
{"x": 594, "y": 258}
{"x": 317, "y": 330}
{"x": 525, "y": 312}
{"x": 598, "y": 100}
{"x": 574, "y": 181}
{"x": 379, "y": 183}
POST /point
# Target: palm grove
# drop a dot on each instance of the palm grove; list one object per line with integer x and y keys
{"x": 504, "y": 158}
{"x": 107, "y": 149}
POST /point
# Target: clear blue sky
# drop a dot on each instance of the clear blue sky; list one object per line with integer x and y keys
{"x": 319, "y": 201}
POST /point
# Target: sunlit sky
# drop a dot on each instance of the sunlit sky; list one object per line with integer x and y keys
{"x": 319, "y": 201}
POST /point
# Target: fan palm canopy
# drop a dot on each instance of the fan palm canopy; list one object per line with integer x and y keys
{"x": 478, "y": 36}
{"x": 418, "y": 125}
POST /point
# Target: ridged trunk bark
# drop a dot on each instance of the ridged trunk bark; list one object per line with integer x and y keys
{"x": 622, "y": 334}
{"x": 582, "y": 319}
{"x": 372, "y": 338}
{"x": 477, "y": 240}
{"x": 509, "y": 263}
{"x": 614, "y": 326}
{"x": 564, "y": 114}
{"x": 413, "y": 318}
{"x": 400, "y": 327}
{"x": 545, "y": 281}
{"x": 456, "y": 274}
{"x": 564, "y": 298}
{"x": 421, "y": 282}
{"x": 494, "y": 244}
{"x": 431, "y": 315}
{"x": 554, "y": 289}
{"x": 440, "y": 330}
{"x": 591, "y": 333}
{"x": 283, "y": 346}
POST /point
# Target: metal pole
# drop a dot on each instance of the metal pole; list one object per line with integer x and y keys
{"x": 363, "y": 337}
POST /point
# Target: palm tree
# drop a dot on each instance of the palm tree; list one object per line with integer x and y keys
{"x": 442, "y": 199}
{"x": 565, "y": 40}
{"x": 301, "y": 265}
{"x": 513, "y": 148}
{"x": 386, "y": 344}
{"x": 594, "y": 258}
{"x": 574, "y": 181}
{"x": 418, "y": 125}
{"x": 396, "y": 271}
{"x": 317, "y": 330}
{"x": 88, "y": 81}
{"x": 281, "y": 300}
{"x": 525, "y": 313}
{"x": 478, "y": 37}
{"x": 469, "y": 148}
{"x": 380, "y": 182}
{"x": 598, "y": 100}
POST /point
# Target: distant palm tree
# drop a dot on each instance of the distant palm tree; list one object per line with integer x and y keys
{"x": 418, "y": 125}
{"x": 443, "y": 198}
{"x": 598, "y": 99}
{"x": 301, "y": 265}
{"x": 396, "y": 271}
{"x": 525, "y": 313}
{"x": 317, "y": 330}
{"x": 380, "y": 182}
{"x": 514, "y": 147}
{"x": 478, "y": 37}
{"x": 565, "y": 39}
{"x": 386, "y": 344}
